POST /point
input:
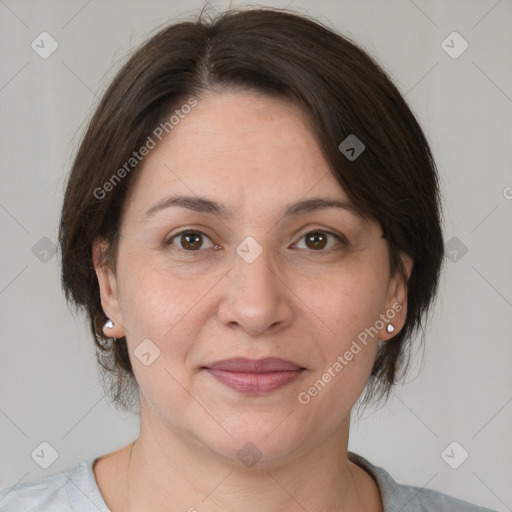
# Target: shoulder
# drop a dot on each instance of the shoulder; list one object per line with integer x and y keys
{"x": 408, "y": 498}
{"x": 46, "y": 493}
{"x": 74, "y": 490}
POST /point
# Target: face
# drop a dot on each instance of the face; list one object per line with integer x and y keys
{"x": 240, "y": 274}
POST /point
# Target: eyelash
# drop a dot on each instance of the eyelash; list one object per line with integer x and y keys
{"x": 340, "y": 239}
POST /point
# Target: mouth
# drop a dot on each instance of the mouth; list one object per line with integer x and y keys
{"x": 254, "y": 376}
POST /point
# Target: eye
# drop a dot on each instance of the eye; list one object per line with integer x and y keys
{"x": 318, "y": 239}
{"x": 189, "y": 241}
{"x": 193, "y": 241}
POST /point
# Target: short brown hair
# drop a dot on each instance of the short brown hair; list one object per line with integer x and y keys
{"x": 341, "y": 90}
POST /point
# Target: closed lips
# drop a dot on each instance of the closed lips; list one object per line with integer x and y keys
{"x": 255, "y": 377}
{"x": 244, "y": 365}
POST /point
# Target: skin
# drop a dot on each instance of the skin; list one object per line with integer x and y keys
{"x": 255, "y": 155}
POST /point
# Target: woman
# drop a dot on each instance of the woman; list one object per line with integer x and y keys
{"x": 253, "y": 225}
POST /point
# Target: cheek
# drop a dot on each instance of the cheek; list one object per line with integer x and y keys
{"x": 348, "y": 351}
{"x": 157, "y": 291}
{"x": 160, "y": 309}
{"x": 157, "y": 306}
{"x": 348, "y": 312}
{"x": 349, "y": 302}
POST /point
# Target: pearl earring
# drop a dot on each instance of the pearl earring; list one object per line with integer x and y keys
{"x": 109, "y": 324}
{"x": 390, "y": 328}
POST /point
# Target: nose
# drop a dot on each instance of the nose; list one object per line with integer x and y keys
{"x": 257, "y": 297}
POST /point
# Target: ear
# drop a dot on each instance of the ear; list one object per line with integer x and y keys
{"x": 395, "y": 311}
{"x": 108, "y": 290}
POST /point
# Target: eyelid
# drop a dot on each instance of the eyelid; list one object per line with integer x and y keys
{"x": 340, "y": 236}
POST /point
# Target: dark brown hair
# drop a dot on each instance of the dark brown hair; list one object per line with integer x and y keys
{"x": 340, "y": 89}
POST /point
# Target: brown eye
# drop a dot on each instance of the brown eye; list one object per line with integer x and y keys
{"x": 318, "y": 240}
{"x": 189, "y": 241}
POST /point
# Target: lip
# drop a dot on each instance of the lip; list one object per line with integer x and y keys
{"x": 255, "y": 376}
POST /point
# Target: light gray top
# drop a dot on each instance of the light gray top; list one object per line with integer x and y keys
{"x": 77, "y": 491}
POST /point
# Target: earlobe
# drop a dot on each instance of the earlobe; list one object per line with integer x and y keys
{"x": 394, "y": 319}
{"x": 396, "y": 304}
{"x": 107, "y": 283}
{"x": 108, "y": 329}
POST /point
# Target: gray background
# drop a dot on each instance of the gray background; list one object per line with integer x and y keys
{"x": 49, "y": 385}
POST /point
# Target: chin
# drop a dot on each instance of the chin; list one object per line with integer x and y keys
{"x": 256, "y": 442}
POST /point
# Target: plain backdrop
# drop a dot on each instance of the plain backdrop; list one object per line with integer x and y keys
{"x": 49, "y": 384}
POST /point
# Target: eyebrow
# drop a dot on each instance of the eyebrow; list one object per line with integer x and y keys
{"x": 205, "y": 205}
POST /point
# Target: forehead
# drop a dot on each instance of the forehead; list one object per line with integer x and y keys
{"x": 242, "y": 149}
{"x": 232, "y": 126}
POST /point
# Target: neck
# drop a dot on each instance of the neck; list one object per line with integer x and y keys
{"x": 162, "y": 471}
